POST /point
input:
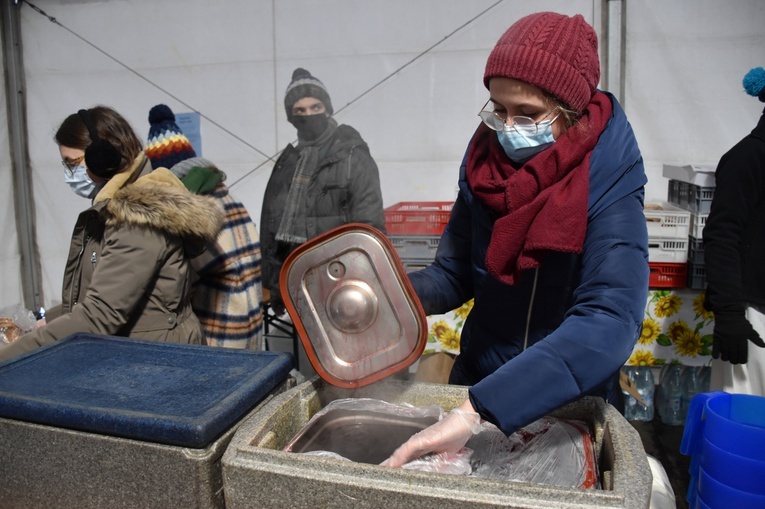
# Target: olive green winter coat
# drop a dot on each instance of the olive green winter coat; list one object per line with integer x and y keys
{"x": 128, "y": 271}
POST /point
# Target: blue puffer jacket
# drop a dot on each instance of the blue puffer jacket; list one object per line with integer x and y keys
{"x": 564, "y": 330}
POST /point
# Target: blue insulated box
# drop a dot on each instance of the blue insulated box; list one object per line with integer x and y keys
{"x": 182, "y": 395}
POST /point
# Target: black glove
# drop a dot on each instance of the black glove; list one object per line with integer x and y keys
{"x": 732, "y": 334}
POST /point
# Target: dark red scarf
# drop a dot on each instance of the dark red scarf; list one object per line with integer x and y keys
{"x": 542, "y": 206}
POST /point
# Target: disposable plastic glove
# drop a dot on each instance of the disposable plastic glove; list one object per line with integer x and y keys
{"x": 450, "y": 434}
{"x": 732, "y": 334}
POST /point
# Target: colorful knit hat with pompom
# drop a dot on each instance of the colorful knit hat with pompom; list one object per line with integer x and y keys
{"x": 167, "y": 144}
{"x": 754, "y": 83}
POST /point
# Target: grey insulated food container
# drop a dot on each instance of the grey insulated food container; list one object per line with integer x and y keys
{"x": 100, "y": 421}
{"x": 259, "y": 473}
{"x": 353, "y": 306}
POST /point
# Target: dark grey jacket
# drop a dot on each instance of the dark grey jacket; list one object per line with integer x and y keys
{"x": 345, "y": 189}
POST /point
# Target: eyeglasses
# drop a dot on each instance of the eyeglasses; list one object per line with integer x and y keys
{"x": 524, "y": 125}
{"x": 71, "y": 164}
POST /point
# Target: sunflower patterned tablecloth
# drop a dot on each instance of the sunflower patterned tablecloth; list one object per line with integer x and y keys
{"x": 444, "y": 330}
{"x": 676, "y": 329}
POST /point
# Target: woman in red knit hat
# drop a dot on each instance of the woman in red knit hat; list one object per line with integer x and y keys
{"x": 547, "y": 234}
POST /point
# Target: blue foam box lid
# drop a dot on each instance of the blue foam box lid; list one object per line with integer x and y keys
{"x": 183, "y": 395}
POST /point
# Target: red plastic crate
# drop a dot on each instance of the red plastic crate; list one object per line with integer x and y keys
{"x": 417, "y": 217}
{"x": 667, "y": 275}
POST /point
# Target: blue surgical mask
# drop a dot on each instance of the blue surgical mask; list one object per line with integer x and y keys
{"x": 522, "y": 147}
{"x": 80, "y": 182}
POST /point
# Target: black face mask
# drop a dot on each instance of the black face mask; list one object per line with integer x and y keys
{"x": 310, "y": 127}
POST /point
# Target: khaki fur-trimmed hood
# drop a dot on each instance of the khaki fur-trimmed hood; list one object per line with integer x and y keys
{"x": 160, "y": 200}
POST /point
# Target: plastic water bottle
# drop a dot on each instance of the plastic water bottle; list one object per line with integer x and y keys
{"x": 646, "y": 388}
{"x": 705, "y": 373}
{"x": 630, "y": 403}
{"x": 672, "y": 390}
{"x": 691, "y": 387}
{"x": 661, "y": 398}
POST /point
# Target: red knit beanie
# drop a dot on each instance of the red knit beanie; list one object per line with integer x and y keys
{"x": 554, "y": 52}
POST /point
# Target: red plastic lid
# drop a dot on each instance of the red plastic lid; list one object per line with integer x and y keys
{"x": 353, "y": 306}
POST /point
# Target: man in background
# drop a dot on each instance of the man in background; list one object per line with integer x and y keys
{"x": 329, "y": 179}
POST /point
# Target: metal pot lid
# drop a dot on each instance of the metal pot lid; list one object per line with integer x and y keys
{"x": 353, "y": 306}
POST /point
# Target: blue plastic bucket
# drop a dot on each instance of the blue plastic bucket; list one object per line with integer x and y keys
{"x": 699, "y": 504}
{"x": 733, "y": 470}
{"x": 734, "y": 423}
{"x": 725, "y": 437}
{"x": 717, "y": 495}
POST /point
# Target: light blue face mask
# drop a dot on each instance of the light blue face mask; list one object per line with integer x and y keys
{"x": 520, "y": 147}
{"x": 80, "y": 182}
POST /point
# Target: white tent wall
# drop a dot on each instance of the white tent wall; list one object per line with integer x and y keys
{"x": 685, "y": 64}
{"x": 232, "y": 60}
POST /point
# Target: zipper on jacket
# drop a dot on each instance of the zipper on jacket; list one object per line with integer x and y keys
{"x": 85, "y": 240}
{"x": 93, "y": 259}
{"x": 531, "y": 306}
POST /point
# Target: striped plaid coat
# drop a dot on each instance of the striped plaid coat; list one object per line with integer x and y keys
{"x": 228, "y": 295}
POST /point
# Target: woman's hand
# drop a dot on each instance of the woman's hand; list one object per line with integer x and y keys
{"x": 449, "y": 434}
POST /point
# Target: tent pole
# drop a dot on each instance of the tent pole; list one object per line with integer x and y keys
{"x": 15, "y": 93}
{"x": 614, "y": 47}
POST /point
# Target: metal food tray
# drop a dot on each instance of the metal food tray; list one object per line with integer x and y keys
{"x": 361, "y": 436}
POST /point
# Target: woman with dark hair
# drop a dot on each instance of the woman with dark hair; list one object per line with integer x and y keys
{"x": 128, "y": 271}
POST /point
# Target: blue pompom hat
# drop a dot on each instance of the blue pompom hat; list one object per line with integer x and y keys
{"x": 167, "y": 145}
{"x": 754, "y": 83}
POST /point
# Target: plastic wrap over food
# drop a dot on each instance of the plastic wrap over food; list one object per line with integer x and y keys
{"x": 15, "y": 321}
{"x": 379, "y": 406}
{"x": 548, "y": 451}
{"x": 444, "y": 463}
{"x": 326, "y": 454}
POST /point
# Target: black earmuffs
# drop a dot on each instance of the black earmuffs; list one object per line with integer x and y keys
{"x": 101, "y": 157}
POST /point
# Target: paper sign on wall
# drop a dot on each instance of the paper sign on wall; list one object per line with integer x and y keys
{"x": 189, "y": 124}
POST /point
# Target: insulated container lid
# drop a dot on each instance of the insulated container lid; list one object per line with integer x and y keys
{"x": 173, "y": 394}
{"x": 353, "y": 306}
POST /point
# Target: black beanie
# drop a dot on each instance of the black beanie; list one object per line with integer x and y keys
{"x": 305, "y": 85}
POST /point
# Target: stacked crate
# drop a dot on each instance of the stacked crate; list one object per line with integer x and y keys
{"x": 668, "y": 227}
{"x": 414, "y": 229}
{"x": 692, "y": 188}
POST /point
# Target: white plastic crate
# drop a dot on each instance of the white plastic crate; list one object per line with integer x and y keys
{"x": 667, "y": 250}
{"x": 665, "y": 220}
{"x": 698, "y": 221}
